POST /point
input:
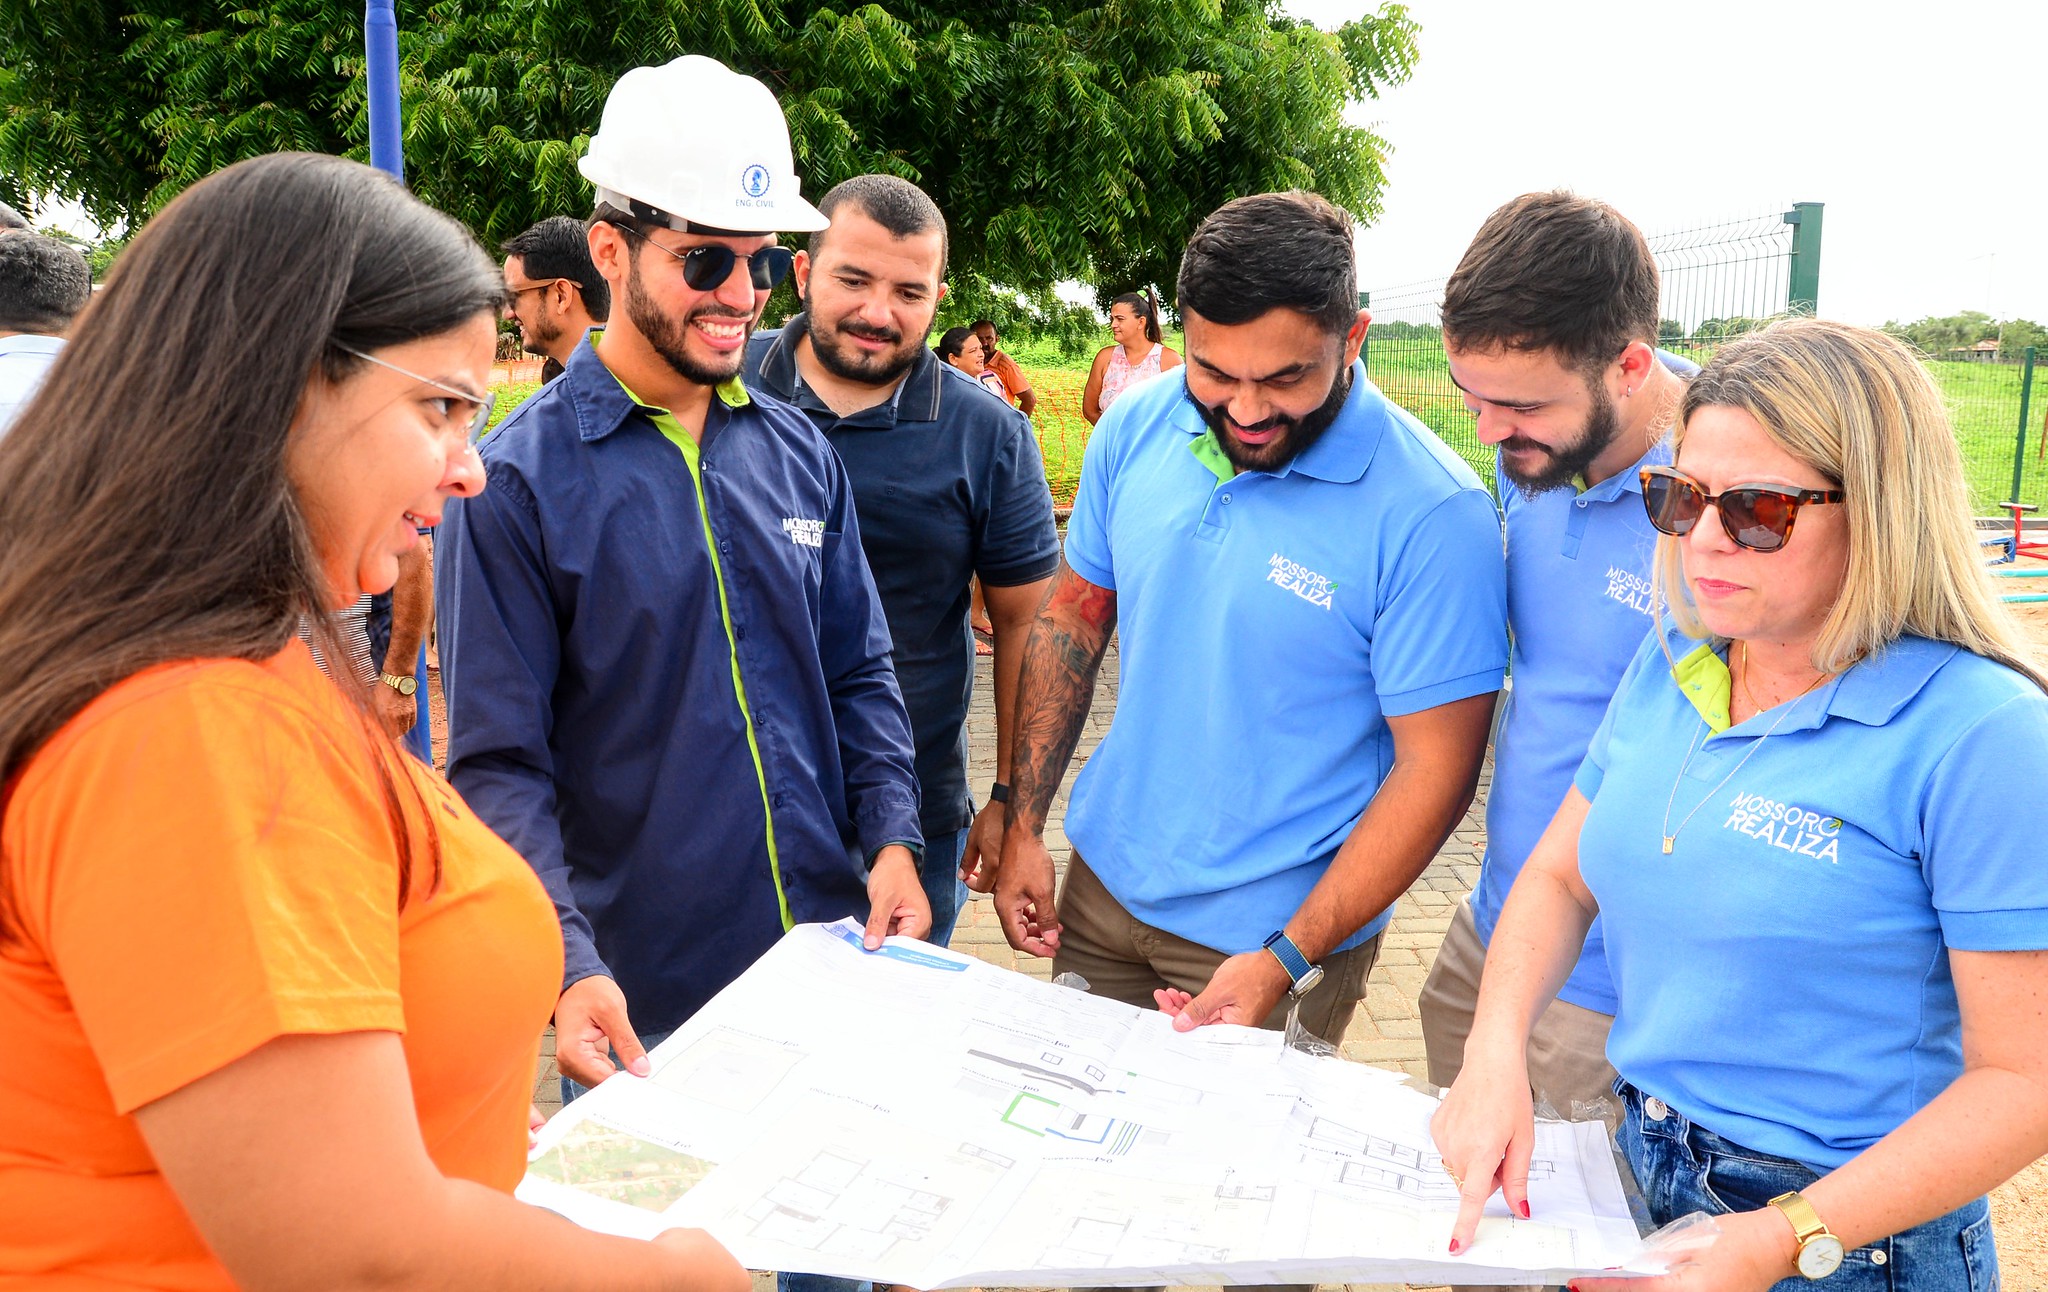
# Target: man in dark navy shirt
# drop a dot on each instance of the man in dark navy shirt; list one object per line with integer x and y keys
{"x": 947, "y": 480}
{"x": 667, "y": 667}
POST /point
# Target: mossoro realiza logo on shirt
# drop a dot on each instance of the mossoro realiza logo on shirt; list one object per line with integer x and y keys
{"x": 804, "y": 533}
{"x": 1300, "y": 580}
{"x": 1628, "y": 588}
{"x": 1785, "y": 825}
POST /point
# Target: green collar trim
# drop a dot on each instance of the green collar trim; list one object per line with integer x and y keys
{"x": 1210, "y": 454}
{"x": 1704, "y": 678}
{"x": 732, "y": 392}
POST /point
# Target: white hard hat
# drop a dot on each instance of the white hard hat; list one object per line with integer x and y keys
{"x": 699, "y": 144}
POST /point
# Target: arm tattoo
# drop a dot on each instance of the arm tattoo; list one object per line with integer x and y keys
{"x": 1055, "y": 687}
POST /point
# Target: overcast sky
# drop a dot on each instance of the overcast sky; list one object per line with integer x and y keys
{"x": 1920, "y": 129}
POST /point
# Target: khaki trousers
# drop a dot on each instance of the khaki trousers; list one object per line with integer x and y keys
{"x": 1568, "y": 1068}
{"x": 1123, "y": 958}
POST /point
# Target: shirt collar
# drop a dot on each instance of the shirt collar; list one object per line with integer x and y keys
{"x": 600, "y": 399}
{"x": 1871, "y": 692}
{"x": 1345, "y": 450}
{"x": 30, "y": 343}
{"x": 915, "y": 399}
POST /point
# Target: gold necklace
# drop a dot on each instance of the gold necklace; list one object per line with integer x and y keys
{"x": 1754, "y": 707}
{"x": 1671, "y": 835}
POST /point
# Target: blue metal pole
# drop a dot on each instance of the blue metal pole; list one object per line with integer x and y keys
{"x": 387, "y": 153}
{"x": 380, "y": 46}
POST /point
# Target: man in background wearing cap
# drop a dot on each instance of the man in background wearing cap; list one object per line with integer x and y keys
{"x": 667, "y": 667}
{"x": 950, "y": 484}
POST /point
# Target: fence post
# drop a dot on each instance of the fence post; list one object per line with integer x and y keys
{"x": 2019, "y": 441}
{"x": 1802, "y": 289}
{"x": 1365, "y": 347}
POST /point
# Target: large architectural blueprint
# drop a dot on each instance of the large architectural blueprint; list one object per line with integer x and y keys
{"x": 915, "y": 1116}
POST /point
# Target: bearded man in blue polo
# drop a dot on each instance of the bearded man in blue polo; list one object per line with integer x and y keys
{"x": 1310, "y": 592}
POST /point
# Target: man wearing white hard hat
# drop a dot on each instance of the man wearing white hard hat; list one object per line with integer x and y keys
{"x": 668, "y": 671}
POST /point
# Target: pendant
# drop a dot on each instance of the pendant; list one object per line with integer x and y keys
{"x": 1668, "y": 841}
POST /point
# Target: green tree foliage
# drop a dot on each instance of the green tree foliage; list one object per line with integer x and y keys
{"x": 1938, "y": 336}
{"x": 1721, "y": 329}
{"x": 1063, "y": 139}
{"x": 2017, "y": 335}
{"x": 1941, "y": 337}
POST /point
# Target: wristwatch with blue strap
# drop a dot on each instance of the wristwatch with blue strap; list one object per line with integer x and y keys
{"x": 1303, "y": 975}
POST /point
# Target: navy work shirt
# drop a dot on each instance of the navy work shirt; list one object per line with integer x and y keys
{"x": 949, "y": 483}
{"x": 668, "y": 681}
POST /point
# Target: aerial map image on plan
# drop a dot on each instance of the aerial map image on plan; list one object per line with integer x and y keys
{"x": 610, "y": 1164}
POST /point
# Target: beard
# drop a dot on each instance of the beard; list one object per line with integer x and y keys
{"x": 537, "y": 339}
{"x": 669, "y": 336}
{"x": 1296, "y": 436}
{"x": 1565, "y": 464}
{"x": 843, "y": 361}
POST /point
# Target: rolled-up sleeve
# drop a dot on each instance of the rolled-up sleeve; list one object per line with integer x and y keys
{"x": 500, "y": 655}
{"x": 875, "y": 748}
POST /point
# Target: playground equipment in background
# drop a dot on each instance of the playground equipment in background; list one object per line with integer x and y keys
{"x": 2015, "y": 544}
{"x": 2032, "y": 572}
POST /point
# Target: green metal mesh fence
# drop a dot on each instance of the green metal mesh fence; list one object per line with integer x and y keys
{"x": 1719, "y": 280}
{"x": 1984, "y": 395}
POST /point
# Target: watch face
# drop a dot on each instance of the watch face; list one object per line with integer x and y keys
{"x": 1308, "y": 981}
{"x": 1820, "y": 1256}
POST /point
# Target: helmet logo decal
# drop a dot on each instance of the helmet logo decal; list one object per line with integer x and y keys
{"x": 754, "y": 180}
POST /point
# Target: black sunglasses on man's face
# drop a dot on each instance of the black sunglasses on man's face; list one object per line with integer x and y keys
{"x": 705, "y": 267}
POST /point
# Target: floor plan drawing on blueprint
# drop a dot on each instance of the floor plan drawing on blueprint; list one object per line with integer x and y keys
{"x": 914, "y": 1116}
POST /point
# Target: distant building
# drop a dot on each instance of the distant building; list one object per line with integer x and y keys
{"x": 1985, "y": 351}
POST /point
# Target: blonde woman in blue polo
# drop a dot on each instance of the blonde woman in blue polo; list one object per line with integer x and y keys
{"x": 1809, "y": 825}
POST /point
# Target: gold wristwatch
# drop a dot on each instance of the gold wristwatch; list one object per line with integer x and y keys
{"x": 400, "y": 682}
{"x": 1820, "y": 1252}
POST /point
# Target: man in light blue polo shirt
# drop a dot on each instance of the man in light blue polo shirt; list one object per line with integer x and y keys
{"x": 1311, "y": 595}
{"x": 1549, "y": 324}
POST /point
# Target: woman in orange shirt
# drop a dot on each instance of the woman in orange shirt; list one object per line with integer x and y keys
{"x": 272, "y": 993}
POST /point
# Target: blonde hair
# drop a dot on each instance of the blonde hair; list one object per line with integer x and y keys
{"x": 1860, "y": 408}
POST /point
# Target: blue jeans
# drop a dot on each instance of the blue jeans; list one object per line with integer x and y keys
{"x": 939, "y": 872}
{"x": 1684, "y": 1168}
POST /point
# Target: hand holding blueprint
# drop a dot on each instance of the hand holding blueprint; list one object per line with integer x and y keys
{"x": 916, "y": 1116}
